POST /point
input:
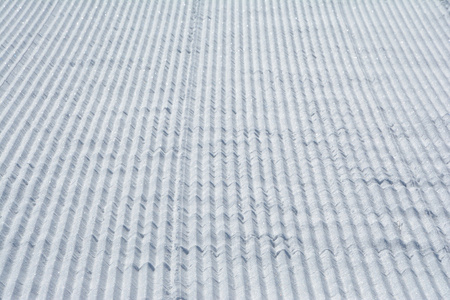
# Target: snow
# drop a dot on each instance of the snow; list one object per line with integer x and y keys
{"x": 224, "y": 149}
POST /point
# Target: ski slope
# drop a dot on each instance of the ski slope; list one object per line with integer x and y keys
{"x": 224, "y": 149}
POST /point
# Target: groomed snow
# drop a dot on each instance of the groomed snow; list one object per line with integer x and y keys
{"x": 224, "y": 149}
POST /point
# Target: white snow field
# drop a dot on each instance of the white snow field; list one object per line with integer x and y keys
{"x": 254, "y": 149}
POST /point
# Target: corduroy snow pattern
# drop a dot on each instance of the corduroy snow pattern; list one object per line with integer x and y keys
{"x": 224, "y": 149}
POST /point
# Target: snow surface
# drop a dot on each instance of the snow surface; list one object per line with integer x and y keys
{"x": 225, "y": 149}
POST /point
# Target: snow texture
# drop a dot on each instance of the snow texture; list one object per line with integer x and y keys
{"x": 224, "y": 149}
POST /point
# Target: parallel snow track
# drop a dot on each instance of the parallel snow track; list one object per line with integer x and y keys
{"x": 224, "y": 149}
